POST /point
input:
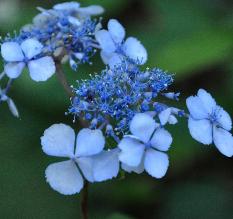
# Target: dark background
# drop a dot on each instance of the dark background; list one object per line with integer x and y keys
{"x": 194, "y": 40}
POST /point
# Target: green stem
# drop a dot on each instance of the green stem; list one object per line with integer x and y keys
{"x": 84, "y": 201}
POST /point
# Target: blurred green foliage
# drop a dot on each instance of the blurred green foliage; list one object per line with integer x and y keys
{"x": 191, "y": 38}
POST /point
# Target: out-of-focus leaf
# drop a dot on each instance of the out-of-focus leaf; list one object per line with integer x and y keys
{"x": 198, "y": 200}
{"x": 197, "y": 51}
{"x": 119, "y": 216}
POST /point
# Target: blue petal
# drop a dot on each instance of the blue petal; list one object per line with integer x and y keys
{"x": 41, "y": 69}
{"x": 103, "y": 37}
{"x": 100, "y": 167}
{"x": 138, "y": 169}
{"x": 67, "y": 6}
{"x": 91, "y": 10}
{"x": 172, "y": 120}
{"x": 196, "y": 108}
{"x": 135, "y": 50}
{"x": 223, "y": 141}
{"x": 200, "y": 130}
{"x": 156, "y": 163}
{"x": 89, "y": 142}
{"x": 106, "y": 165}
{"x": 105, "y": 56}
{"x": 116, "y": 30}
{"x": 14, "y": 69}
{"x": 12, "y": 52}
{"x": 74, "y": 21}
{"x": 64, "y": 177}
{"x": 142, "y": 126}
{"x": 224, "y": 119}
{"x": 41, "y": 19}
{"x": 31, "y": 48}
{"x": 86, "y": 166}
{"x": 161, "y": 139}
{"x": 207, "y": 100}
{"x": 164, "y": 116}
{"x": 114, "y": 60}
{"x": 12, "y": 107}
{"x": 58, "y": 140}
{"x": 131, "y": 151}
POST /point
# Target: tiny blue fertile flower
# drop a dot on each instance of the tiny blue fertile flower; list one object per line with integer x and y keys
{"x": 18, "y": 55}
{"x": 209, "y": 122}
{"x": 96, "y": 165}
{"x": 146, "y": 147}
{"x": 113, "y": 47}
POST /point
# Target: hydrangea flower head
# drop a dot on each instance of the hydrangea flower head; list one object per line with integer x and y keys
{"x": 120, "y": 93}
{"x": 146, "y": 147}
{"x": 209, "y": 122}
{"x": 17, "y": 56}
{"x": 87, "y": 155}
{"x": 114, "y": 48}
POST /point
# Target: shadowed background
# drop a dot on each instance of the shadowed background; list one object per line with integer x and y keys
{"x": 194, "y": 40}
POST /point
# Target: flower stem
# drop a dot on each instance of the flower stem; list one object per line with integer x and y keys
{"x": 84, "y": 201}
{"x": 62, "y": 79}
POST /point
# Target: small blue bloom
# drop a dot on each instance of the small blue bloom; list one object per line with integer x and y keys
{"x": 18, "y": 55}
{"x": 74, "y": 8}
{"x": 209, "y": 122}
{"x": 146, "y": 147}
{"x": 167, "y": 116}
{"x": 96, "y": 165}
{"x": 113, "y": 47}
{"x": 11, "y": 105}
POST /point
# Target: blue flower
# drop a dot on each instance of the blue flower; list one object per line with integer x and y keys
{"x": 18, "y": 55}
{"x": 209, "y": 122}
{"x": 95, "y": 164}
{"x": 74, "y": 7}
{"x": 167, "y": 116}
{"x": 145, "y": 148}
{"x": 113, "y": 47}
{"x": 11, "y": 105}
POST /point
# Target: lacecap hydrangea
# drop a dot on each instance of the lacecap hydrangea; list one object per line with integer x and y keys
{"x": 123, "y": 109}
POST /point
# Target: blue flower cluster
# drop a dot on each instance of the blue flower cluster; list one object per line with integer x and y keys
{"x": 119, "y": 93}
{"x": 64, "y": 33}
{"x": 123, "y": 102}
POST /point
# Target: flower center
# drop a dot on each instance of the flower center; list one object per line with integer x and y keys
{"x": 213, "y": 117}
{"x": 26, "y": 60}
{"x": 148, "y": 145}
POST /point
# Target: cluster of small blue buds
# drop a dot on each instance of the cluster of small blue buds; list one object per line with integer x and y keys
{"x": 117, "y": 94}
